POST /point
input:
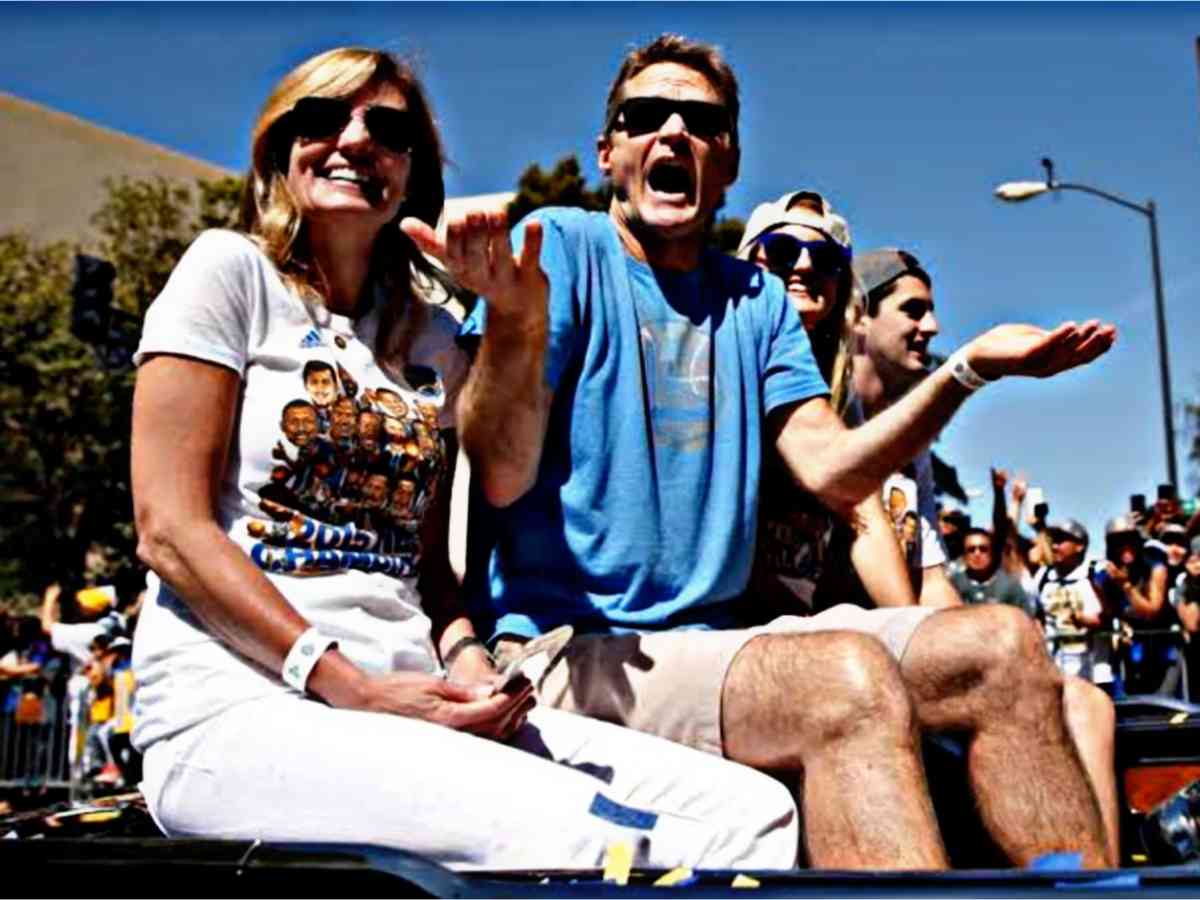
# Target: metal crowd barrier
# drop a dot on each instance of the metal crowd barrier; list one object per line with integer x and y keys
{"x": 36, "y": 755}
{"x": 1176, "y": 635}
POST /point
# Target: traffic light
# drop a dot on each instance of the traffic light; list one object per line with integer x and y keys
{"x": 92, "y": 310}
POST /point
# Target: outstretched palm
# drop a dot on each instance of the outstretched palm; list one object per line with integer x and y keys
{"x": 1036, "y": 352}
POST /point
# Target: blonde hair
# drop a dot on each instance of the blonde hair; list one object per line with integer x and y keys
{"x": 269, "y": 214}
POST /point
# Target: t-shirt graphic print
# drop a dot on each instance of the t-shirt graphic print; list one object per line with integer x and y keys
{"x": 353, "y": 473}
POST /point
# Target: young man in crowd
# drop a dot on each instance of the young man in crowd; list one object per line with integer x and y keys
{"x": 894, "y": 334}
{"x": 626, "y": 387}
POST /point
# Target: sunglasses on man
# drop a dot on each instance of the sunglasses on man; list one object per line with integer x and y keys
{"x": 783, "y": 252}
{"x": 644, "y": 115}
{"x": 316, "y": 118}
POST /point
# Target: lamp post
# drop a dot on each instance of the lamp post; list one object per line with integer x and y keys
{"x": 1019, "y": 191}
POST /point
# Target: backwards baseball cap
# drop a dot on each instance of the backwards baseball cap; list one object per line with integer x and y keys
{"x": 876, "y": 269}
{"x": 1173, "y": 530}
{"x": 775, "y": 214}
{"x": 1071, "y": 528}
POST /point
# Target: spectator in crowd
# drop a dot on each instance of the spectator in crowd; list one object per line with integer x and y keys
{"x": 979, "y": 578}
{"x": 1070, "y": 608}
{"x": 953, "y": 525}
{"x": 31, "y": 679}
{"x": 1174, "y": 540}
{"x": 1133, "y": 584}
{"x": 1185, "y": 597}
{"x": 591, "y": 417}
{"x": 894, "y": 335}
{"x": 300, "y": 679}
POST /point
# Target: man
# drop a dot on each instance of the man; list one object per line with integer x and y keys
{"x": 979, "y": 578}
{"x": 1068, "y": 603}
{"x": 894, "y": 334}
{"x": 626, "y": 386}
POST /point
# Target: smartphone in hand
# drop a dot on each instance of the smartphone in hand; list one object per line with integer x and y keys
{"x": 551, "y": 644}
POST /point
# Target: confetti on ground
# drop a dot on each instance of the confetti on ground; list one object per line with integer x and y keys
{"x": 103, "y": 816}
{"x": 1179, "y": 718}
{"x": 745, "y": 881}
{"x": 674, "y": 877}
{"x": 618, "y": 860}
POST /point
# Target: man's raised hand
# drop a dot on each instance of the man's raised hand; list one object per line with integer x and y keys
{"x": 1036, "y": 352}
{"x": 478, "y": 254}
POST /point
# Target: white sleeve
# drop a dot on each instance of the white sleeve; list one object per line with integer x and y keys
{"x": 205, "y": 309}
{"x": 75, "y": 640}
{"x": 933, "y": 551}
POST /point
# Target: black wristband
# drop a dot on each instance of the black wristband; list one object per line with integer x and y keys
{"x": 459, "y": 646}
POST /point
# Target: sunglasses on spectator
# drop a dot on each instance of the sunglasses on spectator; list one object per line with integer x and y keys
{"x": 1175, "y": 541}
{"x": 643, "y": 115}
{"x": 315, "y": 118}
{"x": 977, "y": 548}
{"x": 783, "y": 252}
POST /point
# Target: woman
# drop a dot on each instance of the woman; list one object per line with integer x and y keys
{"x": 305, "y": 671}
{"x": 799, "y": 238}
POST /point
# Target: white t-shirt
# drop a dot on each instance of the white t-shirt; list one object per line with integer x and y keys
{"x": 332, "y": 465}
{"x": 1063, "y": 596}
{"x": 911, "y": 503}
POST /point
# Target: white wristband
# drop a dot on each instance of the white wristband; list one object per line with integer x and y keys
{"x": 303, "y": 657}
{"x": 963, "y": 373}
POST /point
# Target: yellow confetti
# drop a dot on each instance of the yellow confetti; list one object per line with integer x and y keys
{"x": 618, "y": 860}
{"x": 103, "y": 816}
{"x": 1139, "y": 857}
{"x": 674, "y": 877}
{"x": 744, "y": 881}
{"x": 1179, "y": 718}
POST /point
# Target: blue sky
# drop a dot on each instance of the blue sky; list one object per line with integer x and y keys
{"x": 906, "y": 116}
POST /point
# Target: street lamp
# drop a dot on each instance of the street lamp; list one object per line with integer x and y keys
{"x": 1019, "y": 191}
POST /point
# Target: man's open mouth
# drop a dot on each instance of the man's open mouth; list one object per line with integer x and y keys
{"x": 671, "y": 178}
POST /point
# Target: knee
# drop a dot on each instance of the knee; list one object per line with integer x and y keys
{"x": 861, "y": 687}
{"x": 1012, "y": 653}
{"x": 1090, "y": 711}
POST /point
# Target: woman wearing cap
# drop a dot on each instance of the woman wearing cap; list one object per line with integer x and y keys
{"x": 803, "y": 241}
{"x": 305, "y": 671}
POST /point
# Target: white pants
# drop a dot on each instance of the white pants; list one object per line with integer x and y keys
{"x": 289, "y": 769}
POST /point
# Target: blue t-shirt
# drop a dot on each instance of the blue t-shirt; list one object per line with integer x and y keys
{"x": 644, "y": 510}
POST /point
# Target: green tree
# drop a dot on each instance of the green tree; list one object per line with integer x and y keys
{"x": 563, "y": 186}
{"x": 64, "y": 444}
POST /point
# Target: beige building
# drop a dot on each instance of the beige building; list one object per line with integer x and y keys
{"x": 53, "y": 167}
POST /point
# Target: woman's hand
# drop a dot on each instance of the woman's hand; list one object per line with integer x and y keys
{"x": 475, "y": 708}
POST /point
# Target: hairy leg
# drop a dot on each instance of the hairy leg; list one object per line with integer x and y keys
{"x": 1092, "y": 721}
{"x": 984, "y": 670}
{"x": 830, "y": 710}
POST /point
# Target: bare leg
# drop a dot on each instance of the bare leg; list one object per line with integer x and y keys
{"x": 830, "y": 709}
{"x": 1092, "y": 721}
{"x": 983, "y": 670}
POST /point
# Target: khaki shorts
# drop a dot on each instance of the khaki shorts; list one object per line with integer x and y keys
{"x": 669, "y": 683}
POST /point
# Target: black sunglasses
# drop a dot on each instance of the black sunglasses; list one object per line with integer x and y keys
{"x": 314, "y": 118}
{"x": 783, "y": 252}
{"x": 643, "y": 115}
